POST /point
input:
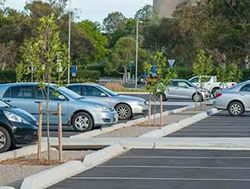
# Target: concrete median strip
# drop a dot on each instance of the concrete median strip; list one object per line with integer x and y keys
{"x": 54, "y": 175}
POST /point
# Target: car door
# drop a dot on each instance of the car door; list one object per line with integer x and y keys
{"x": 93, "y": 92}
{"x": 179, "y": 89}
{"x": 22, "y": 97}
{"x": 245, "y": 95}
{"x": 55, "y": 99}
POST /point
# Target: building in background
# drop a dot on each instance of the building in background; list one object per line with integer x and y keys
{"x": 165, "y": 8}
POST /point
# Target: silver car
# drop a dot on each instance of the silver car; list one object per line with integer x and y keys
{"x": 126, "y": 106}
{"x": 183, "y": 89}
{"x": 235, "y": 99}
{"x": 82, "y": 114}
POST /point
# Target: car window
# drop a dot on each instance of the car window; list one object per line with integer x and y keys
{"x": 194, "y": 80}
{"x": 245, "y": 88}
{"x": 205, "y": 79}
{"x": 39, "y": 93}
{"x": 183, "y": 84}
{"x": 93, "y": 91}
{"x": 19, "y": 92}
{"x": 76, "y": 89}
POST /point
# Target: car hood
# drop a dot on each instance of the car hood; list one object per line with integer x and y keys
{"x": 128, "y": 98}
{"x": 93, "y": 102}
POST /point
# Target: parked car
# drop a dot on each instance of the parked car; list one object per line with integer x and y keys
{"x": 126, "y": 106}
{"x": 183, "y": 89}
{"x": 235, "y": 99}
{"x": 16, "y": 127}
{"x": 210, "y": 83}
{"x": 80, "y": 113}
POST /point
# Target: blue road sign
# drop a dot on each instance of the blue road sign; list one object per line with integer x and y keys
{"x": 171, "y": 62}
{"x": 154, "y": 71}
{"x": 73, "y": 70}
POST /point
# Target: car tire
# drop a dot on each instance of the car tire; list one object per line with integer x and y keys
{"x": 197, "y": 97}
{"x": 164, "y": 98}
{"x": 124, "y": 111}
{"x": 5, "y": 140}
{"x": 236, "y": 108}
{"x": 82, "y": 122}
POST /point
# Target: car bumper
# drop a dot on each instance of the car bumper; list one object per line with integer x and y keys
{"x": 139, "y": 109}
{"x": 106, "y": 118}
{"x": 24, "y": 133}
{"x": 218, "y": 105}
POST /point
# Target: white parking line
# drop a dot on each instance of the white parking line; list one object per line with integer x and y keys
{"x": 175, "y": 167}
{"x": 180, "y": 157}
{"x": 166, "y": 179}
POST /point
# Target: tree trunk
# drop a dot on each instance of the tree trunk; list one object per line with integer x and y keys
{"x": 125, "y": 76}
{"x": 149, "y": 109}
{"x": 161, "y": 112}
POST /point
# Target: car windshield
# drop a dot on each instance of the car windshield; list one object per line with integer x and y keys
{"x": 69, "y": 93}
{"x": 239, "y": 85}
{"x": 3, "y": 104}
{"x": 111, "y": 93}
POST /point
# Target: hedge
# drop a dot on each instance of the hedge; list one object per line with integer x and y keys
{"x": 86, "y": 76}
{"x": 7, "y": 76}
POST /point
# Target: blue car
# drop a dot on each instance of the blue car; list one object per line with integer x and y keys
{"x": 81, "y": 114}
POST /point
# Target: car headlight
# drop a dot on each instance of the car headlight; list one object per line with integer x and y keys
{"x": 102, "y": 109}
{"x": 14, "y": 117}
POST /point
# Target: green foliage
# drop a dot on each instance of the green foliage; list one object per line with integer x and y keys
{"x": 44, "y": 57}
{"x": 7, "y": 76}
{"x": 229, "y": 73}
{"x": 114, "y": 21}
{"x": 203, "y": 64}
{"x": 164, "y": 73}
{"x": 86, "y": 76}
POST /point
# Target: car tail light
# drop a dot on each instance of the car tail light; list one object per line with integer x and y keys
{"x": 218, "y": 95}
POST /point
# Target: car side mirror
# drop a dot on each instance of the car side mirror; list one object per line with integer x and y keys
{"x": 103, "y": 95}
{"x": 61, "y": 97}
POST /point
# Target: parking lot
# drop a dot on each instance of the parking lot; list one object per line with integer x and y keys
{"x": 219, "y": 125}
{"x": 170, "y": 169}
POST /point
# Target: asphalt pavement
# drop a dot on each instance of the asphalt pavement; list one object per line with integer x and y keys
{"x": 167, "y": 169}
{"x": 219, "y": 125}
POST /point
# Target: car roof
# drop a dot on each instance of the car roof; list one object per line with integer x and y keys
{"x": 24, "y": 83}
{"x": 179, "y": 80}
{"x": 88, "y": 84}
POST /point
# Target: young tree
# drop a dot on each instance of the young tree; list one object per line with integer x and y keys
{"x": 45, "y": 57}
{"x": 158, "y": 84}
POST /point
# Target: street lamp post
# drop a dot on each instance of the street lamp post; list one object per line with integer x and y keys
{"x": 136, "y": 52}
{"x": 69, "y": 42}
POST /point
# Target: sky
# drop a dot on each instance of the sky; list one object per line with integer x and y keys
{"x": 95, "y": 10}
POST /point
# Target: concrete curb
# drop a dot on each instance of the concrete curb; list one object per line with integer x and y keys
{"x": 6, "y": 187}
{"x": 171, "y": 128}
{"x": 52, "y": 176}
{"x": 94, "y": 159}
{"x": 57, "y": 174}
{"x": 95, "y": 133}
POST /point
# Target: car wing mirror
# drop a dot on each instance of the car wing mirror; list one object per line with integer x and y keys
{"x": 61, "y": 97}
{"x": 103, "y": 95}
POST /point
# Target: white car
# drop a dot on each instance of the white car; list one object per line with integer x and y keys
{"x": 210, "y": 83}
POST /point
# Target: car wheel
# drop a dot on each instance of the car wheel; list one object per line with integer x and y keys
{"x": 5, "y": 140}
{"x": 124, "y": 111}
{"x": 197, "y": 97}
{"x": 82, "y": 122}
{"x": 235, "y": 109}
